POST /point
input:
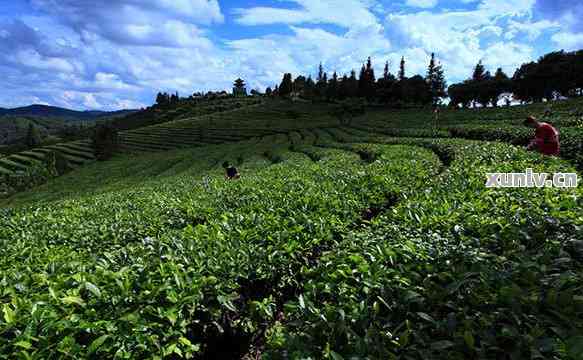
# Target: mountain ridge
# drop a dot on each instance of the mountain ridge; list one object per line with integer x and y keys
{"x": 58, "y": 112}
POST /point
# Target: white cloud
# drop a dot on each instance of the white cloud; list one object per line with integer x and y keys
{"x": 119, "y": 53}
{"x": 301, "y": 52}
{"x": 569, "y": 41}
{"x": 422, "y": 3}
{"x": 169, "y": 23}
{"x": 532, "y": 30}
{"x": 347, "y": 13}
{"x": 462, "y": 38}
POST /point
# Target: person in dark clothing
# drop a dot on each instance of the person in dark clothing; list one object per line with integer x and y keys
{"x": 231, "y": 172}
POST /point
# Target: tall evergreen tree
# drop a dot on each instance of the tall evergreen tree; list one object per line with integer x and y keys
{"x": 366, "y": 82}
{"x": 480, "y": 85}
{"x": 362, "y": 82}
{"x": 343, "y": 89}
{"x": 321, "y": 73}
{"x": 499, "y": 85}
{"x": 435, "y": 80}
{"x": 310, "y": 88}
{"x": 352, "y": 85}
{"x": 401, "y": 75}
{"x": 386, "y": 73}
{"x": 322, "y": 82}
{"x": 332, "y": 90}
{"x": 299, "y": 84}
{"x": 479, "y": 72}
{"x": 286, "y": 87}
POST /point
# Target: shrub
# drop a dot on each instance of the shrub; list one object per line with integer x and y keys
{"x": 105, "y": 142}
{"x": 57, "y": 163}
{"x": 36, "y": 174}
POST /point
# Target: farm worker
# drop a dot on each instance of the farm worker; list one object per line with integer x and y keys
{"x": 546, "y": 139}
{"x": 231, "y": 172}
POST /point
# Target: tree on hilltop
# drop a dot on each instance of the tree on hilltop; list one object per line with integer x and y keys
{"x": 435, "y": 80}
{"x": 366, "y": 82}
{"x": 286, "y": 86}
{"x": 401, "y": 75}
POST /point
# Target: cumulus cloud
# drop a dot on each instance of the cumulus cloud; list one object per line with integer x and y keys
{"x": 110, "y": 54}
{"x": 422, "y": 3}
{"x": 302, "y": 51}
{"x": 170, "y": 23}
{"x": 462, "y": 38}
{"x": 568, "y": 11}
{"x": 569, "y": 14}
{"x": 347, "y": 13}
{"x": 114, "y": 54}
{"x": 569, "y": 41}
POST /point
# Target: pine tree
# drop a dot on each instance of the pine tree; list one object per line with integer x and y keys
{"x": 386, "y": 73}
{"x": 479, "y": 72}
{"x": 436, "y": 81}
{"x": 440, "y": 85}
{"x": 401, "y": 75}
{"x": 343, "y": 87}
{"x": 321, "y": 73}
{"x": 366, "y": 82}
{"x": 498, "y": 86}
{"x": 332, "y": 90}
{"x": 299, "y": 84}
{"x": 310, "y": 88}
{"x": 322, "y": 82}
{"x": 352, "y": 85}
{"x": 481, "y": 85}
{"x": 362, "y": 82}
{"x": 286, "y": 88}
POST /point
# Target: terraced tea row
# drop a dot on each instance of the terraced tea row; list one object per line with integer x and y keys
{"x": 77, "y": 153}
{"x": 348, "y": 249}
{"x": 256, "y": 121}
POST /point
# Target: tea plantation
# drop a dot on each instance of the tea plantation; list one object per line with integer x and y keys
{"x": 375, "y": 238}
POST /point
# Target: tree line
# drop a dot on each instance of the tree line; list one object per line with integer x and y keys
{"x": 555, "y": 75}
{"x": 388, "y": 88}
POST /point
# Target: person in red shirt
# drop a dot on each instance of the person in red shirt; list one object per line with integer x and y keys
{"x": 546, "y": 138}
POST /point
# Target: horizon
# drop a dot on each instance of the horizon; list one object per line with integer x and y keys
{"x": 109, "y": 57}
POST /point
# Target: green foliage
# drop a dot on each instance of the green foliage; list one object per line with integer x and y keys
{"x": 57, "y": 164}
{"x": 286, "y": 87}
{"x": 33, "y": 138}
{"x": 105, "y": 142}
{"x": 35, "y": 174}
{"x": 375, "y": 240}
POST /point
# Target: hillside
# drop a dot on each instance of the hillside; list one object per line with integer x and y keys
{"x": 61, "y": 113}
{"x": 370, "y": 236}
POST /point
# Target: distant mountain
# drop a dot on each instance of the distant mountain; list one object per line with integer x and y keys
{"x": 56, "y": 112}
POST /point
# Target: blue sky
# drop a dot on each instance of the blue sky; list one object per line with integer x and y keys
{"x": 113, "y": 54}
